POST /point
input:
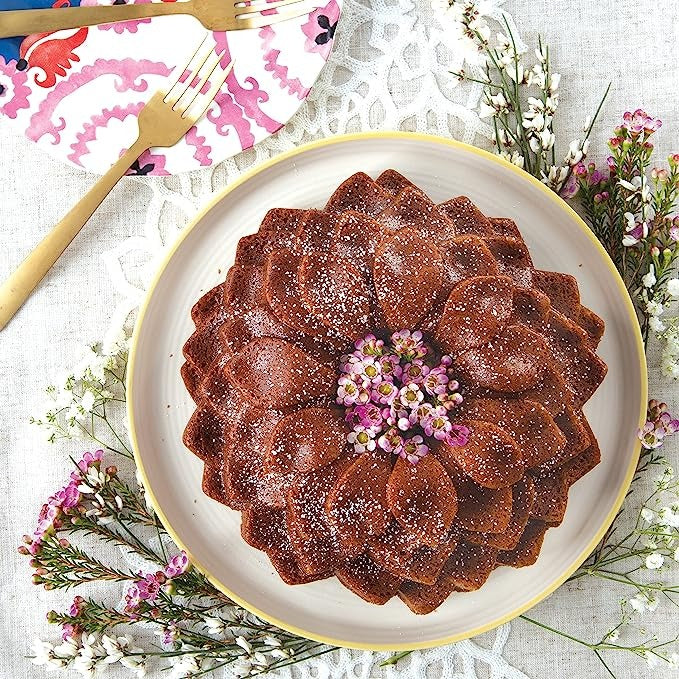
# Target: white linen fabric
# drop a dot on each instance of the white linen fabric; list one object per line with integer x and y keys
{"x": 389, "y": 70}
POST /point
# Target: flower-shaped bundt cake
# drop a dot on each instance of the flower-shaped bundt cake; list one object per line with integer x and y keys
{"x": 391, "y": 393}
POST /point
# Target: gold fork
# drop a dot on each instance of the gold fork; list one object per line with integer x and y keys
{"x": 163, "y": 121}
{"x": 215, "y": 15}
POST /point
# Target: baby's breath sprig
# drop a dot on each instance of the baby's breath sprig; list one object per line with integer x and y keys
{"x": 80, "y": 405}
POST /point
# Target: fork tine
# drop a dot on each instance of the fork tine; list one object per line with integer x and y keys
{"x": 175, "y": 81}
{"x": 259, "y": 20}
{"x": 191, "y": 93}
{"x": 260, "y": 5}
{"x": 206, "y": 99}
{"x": 178, "y": 88}
{"x": 256, "y": 9}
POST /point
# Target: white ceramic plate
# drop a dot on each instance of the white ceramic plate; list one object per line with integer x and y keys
{"x": 160, "y": 406}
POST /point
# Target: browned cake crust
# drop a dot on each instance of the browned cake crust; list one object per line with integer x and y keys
{"x": 262, "y": 368}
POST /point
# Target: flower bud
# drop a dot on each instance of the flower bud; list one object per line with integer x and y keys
{"x": 36, "y": 579}
{"x": 22, "y": 549}
{"x": 49, "y": 586}
{"x": 64, "y": 543}
{"x": 52, "y": 616}
{"x": 170, "y": 587}
{"x": 667, "y": 255}
{"x": 41, "y": 570}
{"x": 655, "y": 251}
{"x": 112, "y": 470}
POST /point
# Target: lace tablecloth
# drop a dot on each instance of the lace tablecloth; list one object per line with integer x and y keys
{"x": 389, "y": 70}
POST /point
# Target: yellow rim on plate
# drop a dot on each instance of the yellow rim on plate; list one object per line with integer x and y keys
{"x": 576, "y": 220}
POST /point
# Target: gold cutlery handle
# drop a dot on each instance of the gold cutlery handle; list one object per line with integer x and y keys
{"x": 18, "y": 287}
{"x": 29, "y": 21}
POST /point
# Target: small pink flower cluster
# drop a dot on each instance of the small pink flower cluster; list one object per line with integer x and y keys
{"x": 148, "y": 586}
{"x": 638, "y": 123}
{"x": 659, "y": 425}
{"x": 69, "y": 630}
{"x": 64, "y": 501}
{"x": 397, "y": 393}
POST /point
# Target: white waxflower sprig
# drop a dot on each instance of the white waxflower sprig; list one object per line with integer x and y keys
{"x": 520, "y": 99}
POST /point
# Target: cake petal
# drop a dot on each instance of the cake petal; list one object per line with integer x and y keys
{"x": 468, "y": 219}
{"x": 422, "y": 498}
{"x": 277, "y": 374}
{"x": 276, "y": 231}
{"x": 482, "y": 509}
{"x": 336, "y": 293}
{"x": 285, "y": 562}
{"x": 243, "y": 288}
{"x": 573, "y": 427}
{"x": 313, "y": 538}
{"x": 572, "y": 356}
{"x": 356, "y": 506}
{"x": 551, "y": 498}
{"x": 512, "y": 361}
{"x": 504, "y": 227}
{"x": 582, "y": 464}
{"x": 204, "y": 433}
{"x": 208, "y": 306}
{"x": 530, "y": 307}
{"x": 243, "y": 475}
{"x": 413, "y": 210}
{"x": 263, "y": 527}
{"x": 282, "y": 292}
{"x": 204, "y": 347}
{"x": 307, "y": 440}
{"x": 551, "y": 392}
{"x": 528, "y": 549}
{"x": 192, "y": 378}
{"x": 359, "y": 192}
{"x": 423, "y": 599}
{"x": 402, "y": 553}
{"x": 562, "y": 290}
{"x": 527, "y": 422}
{"x": 365, "y": 578}
{"x": 592, "y": 325}
{"x": 212, "y": 480}
{"x": 490, "y": 457}
{"x": 469, "y": 566}
{"x": 513, "y": 259}
{"x": 523, "y": 497}
{"x": 476, "y": 310}
{"x": 395, "y": 182}
{"x": 465, "y": 257}
{"x": 316, "y": 232}
{"x": 407, "y": 278}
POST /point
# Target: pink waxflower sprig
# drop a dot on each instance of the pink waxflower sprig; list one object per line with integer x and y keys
{"x": 659, "y": 425}
{"x": 631, "y": 207}
{"x": 396, "y": 393}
